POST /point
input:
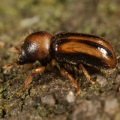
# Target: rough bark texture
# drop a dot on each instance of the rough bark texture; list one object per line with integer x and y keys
{"x": 51, "y": 96}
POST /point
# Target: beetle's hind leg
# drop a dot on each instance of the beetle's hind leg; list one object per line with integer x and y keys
{"x": 87, "y": 74}
{"x": 74, "y": 83}
{"x": 29, "y": 78}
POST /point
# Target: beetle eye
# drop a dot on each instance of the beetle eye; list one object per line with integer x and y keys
{"x": 22, "y": 58}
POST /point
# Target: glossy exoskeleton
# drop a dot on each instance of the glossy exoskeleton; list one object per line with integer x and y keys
{"x": 72, "y": 49}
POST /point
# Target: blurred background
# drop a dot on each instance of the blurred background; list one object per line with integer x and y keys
{"x": 94, "y": 17}
{"x": 99, "y": 17}
{"x": 18, "y": 18}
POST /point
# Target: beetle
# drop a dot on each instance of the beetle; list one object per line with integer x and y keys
{"x": 66, "y": 49}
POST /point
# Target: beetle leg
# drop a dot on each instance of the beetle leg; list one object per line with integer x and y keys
{"x": 74, "y": 83}
{"x": 86, "y": 74}
{"x": 8, "y": 66}
{"x": 29, "y": 78}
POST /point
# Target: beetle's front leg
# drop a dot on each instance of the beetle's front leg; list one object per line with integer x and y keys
{"x": 86, "y": 74}
{"x": 74, "y": 83}
{"x": 29, "y": 78}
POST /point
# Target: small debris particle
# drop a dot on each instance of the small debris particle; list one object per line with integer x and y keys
{"x": 48, "y": 99}
{"x": 29, "y": 21}
{"x": 101, "y": 81}
{"x": 70, "y": 97}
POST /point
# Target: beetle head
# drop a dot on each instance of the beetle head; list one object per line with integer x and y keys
{"x": 35, "y": 47}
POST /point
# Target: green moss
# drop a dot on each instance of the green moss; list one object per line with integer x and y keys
{"x": 42, "y": 111}
{"x": 1, "y": 80}
{"x": 12, "y": 76}
{"x": 92, "y": 17}
{"x": 2, "y": 89}
{"x": 1, "y": 112}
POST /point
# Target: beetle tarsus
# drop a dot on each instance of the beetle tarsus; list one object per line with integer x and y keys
{"x": 74, "y": 83}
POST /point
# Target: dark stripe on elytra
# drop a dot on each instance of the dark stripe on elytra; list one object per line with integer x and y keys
{"x": 68, "y": 34}
{"x": 89, "y": 43}
{"x": 83, "y": 58}
{"x": 93, "y": 44}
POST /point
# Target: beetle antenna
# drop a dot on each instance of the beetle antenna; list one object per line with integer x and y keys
{"x": 15, "y": 49}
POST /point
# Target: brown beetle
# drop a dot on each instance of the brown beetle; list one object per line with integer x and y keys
{"x": 73, "y": 50}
